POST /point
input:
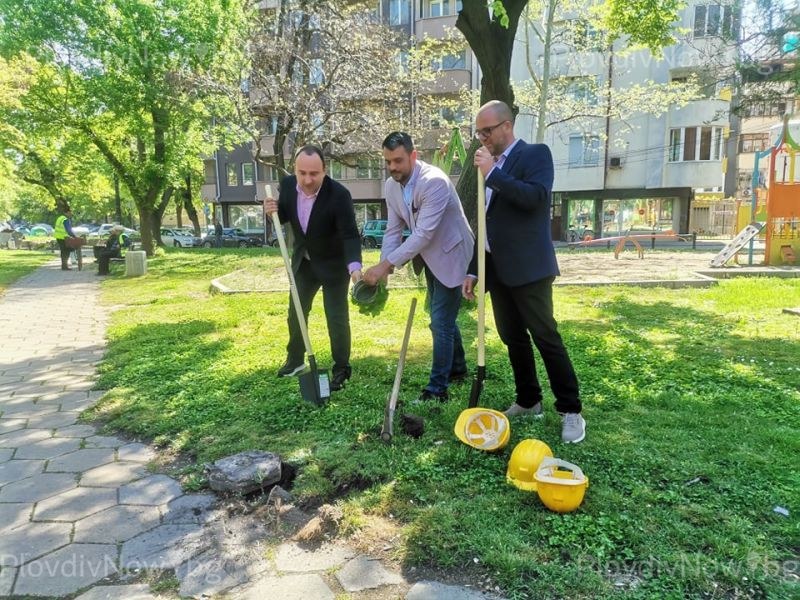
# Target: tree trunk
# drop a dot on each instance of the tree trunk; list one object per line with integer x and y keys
{"x": 145, "y": 220}
{"x": 493, "y": 46}
{"x": 117, "y": 200}
{"x": 158, "y": 215}
{"x": 191, "y": 211}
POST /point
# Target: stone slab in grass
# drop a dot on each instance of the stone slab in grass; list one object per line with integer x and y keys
{"x": 244, "y": 472}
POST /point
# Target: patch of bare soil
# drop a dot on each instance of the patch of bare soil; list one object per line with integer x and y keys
{"x": 581, "y": 266}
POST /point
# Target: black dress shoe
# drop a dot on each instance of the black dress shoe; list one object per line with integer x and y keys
{"x": 291, "y": 367}
{"x": 337, "y": 383}
{"x": 427, "y": 396}
{"x": 458, "y": 376}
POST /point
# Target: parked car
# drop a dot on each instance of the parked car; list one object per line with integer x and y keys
{"x": 179, "y": 238}
{"x": 372, "y": 233}
{"x": 231, "y": 238}
{"x": 85, "y": 229}
{"x": 105, "y": 229}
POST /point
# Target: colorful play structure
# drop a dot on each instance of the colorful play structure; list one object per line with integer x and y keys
{"x": 779, "y": 212}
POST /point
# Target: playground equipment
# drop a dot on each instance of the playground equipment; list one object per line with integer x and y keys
{"x": 782, "y": 243}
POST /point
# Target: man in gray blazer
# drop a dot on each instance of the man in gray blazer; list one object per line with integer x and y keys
{"x": 421, "y": 197}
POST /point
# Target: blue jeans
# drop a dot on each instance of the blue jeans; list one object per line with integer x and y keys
{"x": 448, "y": 349}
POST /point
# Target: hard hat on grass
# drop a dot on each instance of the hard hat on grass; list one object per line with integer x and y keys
{"x": 524, "y": 461}
{"x": 561, "y": 485}
{"x": 483, "y": 428}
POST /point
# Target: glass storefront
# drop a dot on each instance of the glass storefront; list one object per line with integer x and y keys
{"x": 248, "y": 218}
{"x": 619, "y": 217}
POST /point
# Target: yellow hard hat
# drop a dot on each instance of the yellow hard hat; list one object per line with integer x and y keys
{"x": 561, "y": 485}
{"x": 525, "y": 459}
{"x": 483, "y": 428}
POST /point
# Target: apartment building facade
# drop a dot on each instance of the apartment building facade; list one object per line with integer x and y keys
{"x": 641, "y": 173}
{"x": 231, "y": 177}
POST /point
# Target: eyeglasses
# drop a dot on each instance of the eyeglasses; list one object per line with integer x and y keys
{"x": 484, "y": 133}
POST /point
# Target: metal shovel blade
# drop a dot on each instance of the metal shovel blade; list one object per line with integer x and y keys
{"x": 315, "y": 386}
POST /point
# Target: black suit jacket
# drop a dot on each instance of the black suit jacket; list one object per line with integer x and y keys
{"x": 518, "y": 219}
{"x": 332, "y": 240}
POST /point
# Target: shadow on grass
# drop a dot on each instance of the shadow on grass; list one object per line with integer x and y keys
{"x": 687, "y": 445}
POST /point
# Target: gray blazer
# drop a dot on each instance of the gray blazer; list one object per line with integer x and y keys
{"x": 440, "y": 232}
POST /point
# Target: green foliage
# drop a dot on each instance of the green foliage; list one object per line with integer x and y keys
{"x": 690, "y": 398}
{"x": 18, "y": 263}
{"x": 648, "y": 23}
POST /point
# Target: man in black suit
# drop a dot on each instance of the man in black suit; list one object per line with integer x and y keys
{"x": 326, "y": 253}
{"x": 521, "y": 265}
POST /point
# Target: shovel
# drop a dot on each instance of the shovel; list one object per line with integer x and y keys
{"x": 388, "y": 416}
{"x": 480, "y": 375}
{"x": 314, "y": 385}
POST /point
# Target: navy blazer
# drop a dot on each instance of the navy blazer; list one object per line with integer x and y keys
{"x": 332, "y": 240}
{"x": 518, "y": 219}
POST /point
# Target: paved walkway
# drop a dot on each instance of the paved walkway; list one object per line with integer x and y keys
{"x": 82, "y": 517}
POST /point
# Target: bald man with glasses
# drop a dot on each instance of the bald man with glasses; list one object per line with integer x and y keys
{"x": 521, "y": 266}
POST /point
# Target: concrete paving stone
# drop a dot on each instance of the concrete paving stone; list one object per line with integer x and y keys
{"x": 113, "y": 474}
{"x": 4, "y": 379}
{"x": 117, "y": 524}
{"x": 11, "y": 424}
{"x": 23, "y": 437}
{"x": 75, "y": 431}
{"x": 432, "y": 590}
{"x": 54, "y": 420}
{"x": 101, "y": 441}
{"x": 79, "y": 405}
{"x": 7, "y": 575}
{"x": 17, "y": 403}
{"x": 38, "y": 487}
{"x": 67, "y": 570}
{"x": 80, "y": 386}
{"x": 6, "y": 454}
{"x": 32, "y": 540}
{"x": 75, "y": 504}
{"x": 48, "y": 448}
{"x": 290, "y": 557}
{"x": 63, "y": 397}
{"x": 14, "y": 470}
{"x": 192, "y": 508}
{"x": 165, "y": 547}
{"x": 33, "y": 410}
{"x": 154, "y": 490}
{"x": 136, "y": 452}
{"x": 363, "y": 573}
{"x": 14, "y": 514}
{"x": 291, "y": 587}
{"x": 210, "y": 574}
{"x": 81, "y": 460}
{"x": 118, "y": 592}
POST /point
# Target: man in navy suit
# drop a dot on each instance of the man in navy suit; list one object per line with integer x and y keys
{"x": 521, "y": 265}
{"x": 326, "y": 254}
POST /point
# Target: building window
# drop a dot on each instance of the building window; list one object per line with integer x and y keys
{"x": 316, "y": 73}
{"x": 336, "y": 169}
{"x": 770, "y": 109}
{"x": 584, "y": 150}
{"x": 753, "y": 142}
{"x": 715, "y": 20}
{"x": 248, "y": 173}
{"x": 581, "y": 89}
{"x": 450, "y": 62}
{"x": 695, "y": 143}
{"x": 440, "y": 8}
{"x": 368, "y": 168}
{"x": 232, "y": 174}
{"x": 399, "y": 12}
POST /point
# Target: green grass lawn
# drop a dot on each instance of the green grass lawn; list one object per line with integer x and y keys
{"x": 691, "y": 398}
{"x": 18, "y": 263}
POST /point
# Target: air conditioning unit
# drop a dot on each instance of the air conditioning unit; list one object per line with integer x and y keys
{"x": 615, "y": 162}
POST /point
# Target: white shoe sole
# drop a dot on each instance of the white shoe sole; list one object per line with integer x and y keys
{"x": 297, "y": 370}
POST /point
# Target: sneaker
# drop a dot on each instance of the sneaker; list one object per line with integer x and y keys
{"x": 574, "y": 428}
{"x": 427, "y": 395}
{"x": 337, "y": 383}
{"x": 291, "y": 368}
{"x": 515, "y": 410}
